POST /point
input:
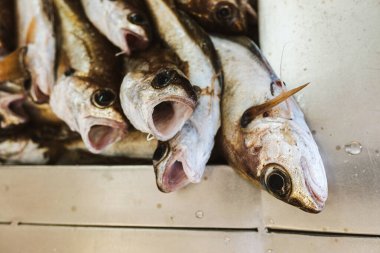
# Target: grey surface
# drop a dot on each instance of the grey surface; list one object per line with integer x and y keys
{"x": 335, "y": 45}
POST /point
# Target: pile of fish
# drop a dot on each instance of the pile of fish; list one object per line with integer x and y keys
{"x": 101, "y": 81}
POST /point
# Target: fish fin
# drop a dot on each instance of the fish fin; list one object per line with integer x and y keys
{"x": 12, "y": 67}
{"x": 251, "y": 113}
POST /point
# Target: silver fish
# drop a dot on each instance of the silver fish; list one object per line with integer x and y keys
{"x": 155, "y": 95}
{"x": 122, "y": 22}
{"x": 265, "y": 136}
{"x": 89, "y": 77}
{"x": 36, "y": 32}
{"x": 183, "y": 159}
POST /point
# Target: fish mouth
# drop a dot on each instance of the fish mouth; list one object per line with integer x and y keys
{"x": 101, "y": 133}
{"x": 169, "y": 116}
{"x": 134, "y": 42}
{"x": 177, "y": 175}
{"x": 317, "y": 193}
{"x": 14, "y": 113}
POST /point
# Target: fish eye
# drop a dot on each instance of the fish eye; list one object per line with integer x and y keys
{"x": 137, "y": 18}
{"x": 277, "y": 181}
{"x": 103, "y": 98}
{"x": 69, "y": 72}
{"x": 225, "y": 12}
{"x": 162, "y": 79}
{"x": 161, "y": 151}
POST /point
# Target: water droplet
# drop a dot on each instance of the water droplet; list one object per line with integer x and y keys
{"x": 354, "y": 148}
{"x": 377, "y": 152}
{"x": 227, "y": 239}
{"x": 269, "y": 251}
{"x": 356, "y": 175}
{"x": 338, "y": 148}
{"x": 199, "y": 214}
{"x": 345, "y": 161}
{"x": 271, "y": 221}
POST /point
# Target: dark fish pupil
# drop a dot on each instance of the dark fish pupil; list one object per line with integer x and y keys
{"x": 276, "y": 183}
{"x": 104, "y": 98}
{"x": 224, "y": 12}
{"x": 162, "y": 79}
{"x": 137, "y": 19}
{"x": 160, "y": 151}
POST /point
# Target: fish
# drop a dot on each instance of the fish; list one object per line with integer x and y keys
{"x": 7, "y": 27}
{"x": 155, "y": 95}
{"x": 182, "y": 160}
{"x": 123, "y": 22}
{"x": 223, "y": 16}
{"x": 36, "y": 32}
{"x": 264, "y": 133}
{"x": 89, "y": 76}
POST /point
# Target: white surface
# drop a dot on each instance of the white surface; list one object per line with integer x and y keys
{"x": 335, "y": 45}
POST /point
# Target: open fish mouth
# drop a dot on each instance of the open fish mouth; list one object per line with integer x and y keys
{"x": 169, "y": 116}
{"x": 177, "y": 175}
{"x": 134, "y": 42}
{"x": 13, "y": 108}
{"x": 101, "y": 133}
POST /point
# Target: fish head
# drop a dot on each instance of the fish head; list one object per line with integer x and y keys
{"x": 128, "y": 25}
{"x": 177, "y": 163}
{"x": 228, "y": 13}
{"x": 284, "y": 158}
{"x": 169, "y": 168}
{"x": 227, "y": 16}
{"x": 158, "y": 101}
{"x": 90, "y": 109}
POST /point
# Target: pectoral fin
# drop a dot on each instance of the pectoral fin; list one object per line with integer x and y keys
{"x": 251, "y": 113}
{"x": 12, "y": 67}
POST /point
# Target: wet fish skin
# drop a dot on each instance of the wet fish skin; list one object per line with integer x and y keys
{"x": 274, "y": 148}
{"x": 156, "y": 96}
{"x": 7, "y": 27}
{"x": 89, "y": 77}
{"x": 124, "y": 23}
{"x": 36, "y": 32}
{"x": 225, "y": 16}
{"x": 186, "y": 155}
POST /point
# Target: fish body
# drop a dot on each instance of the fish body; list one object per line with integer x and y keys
{"x": 7, "y": 27}
{"x": 156, "y": 96}
{"x": 36, "y": 32}
{"x": 183, "y": 159}
{"x": 224, "y": 16}
{"x": 124, "y": 23}
{"x": 89, "y": 78}
{"x": 273, "y": 146}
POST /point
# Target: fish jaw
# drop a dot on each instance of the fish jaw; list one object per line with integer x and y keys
{"x": 112, "y": 19}
{"x": 161, "y": 112}
{"x": 171, "y": 170}
{"x": 11, "y": 109}
{"x": 98, "y": 134}
{"x": 132, "y": 42}
{"x": 287, "y": 156}
{"x": 71, "y": 101}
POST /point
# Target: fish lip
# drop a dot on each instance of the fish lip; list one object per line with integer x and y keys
{"x": 189, "y": 107}
{"x": 139, "y": 42}
{"x": 187, "y": 177}
{"x": 90, "y": 122}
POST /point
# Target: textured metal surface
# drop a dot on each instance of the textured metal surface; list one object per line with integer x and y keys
{"x": 92, "y": 240}
{"x": 335, "y": 45}
{"x": 124, "y": 196}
